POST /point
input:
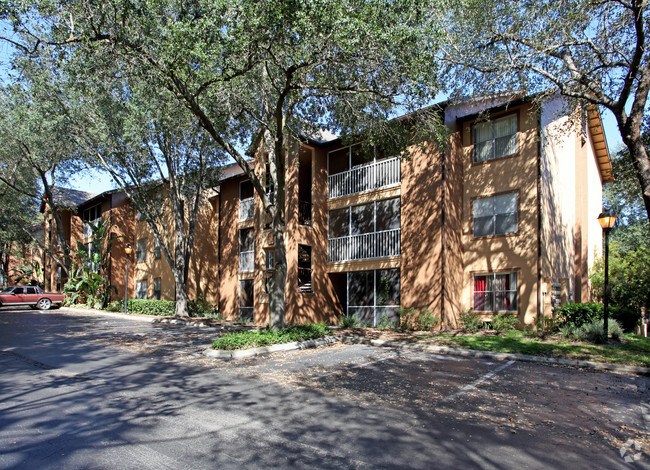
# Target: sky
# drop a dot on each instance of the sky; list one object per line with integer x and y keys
{"x": 98, "y": 182}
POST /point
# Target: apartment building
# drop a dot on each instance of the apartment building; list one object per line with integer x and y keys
{"x": 503, "y": 221}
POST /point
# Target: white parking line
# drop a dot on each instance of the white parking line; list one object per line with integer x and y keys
{"x": 477, "y": 382}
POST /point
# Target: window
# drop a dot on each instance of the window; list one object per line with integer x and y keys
{"x": 138, "y": 216}
{"x": 304, "y": 268}
{"x": 247, "y": 249}
{"x": 31, "y": 290}
{"x": 246, "y": 300}
{"x": 373, "y": 296}
{"x": 246, "y": 200}
{"x": 495, "y": 215}
{"x": 270, "y": 260}
{"x": 141, "y": 250}
{"x": 156, "y": 249}
{"x": 495, "y": 292}
{"x": 90, "y": 216}
{"x": 141, "y": 289}
{"x": 156, "y": 288}
{"x": 495, "y": 139}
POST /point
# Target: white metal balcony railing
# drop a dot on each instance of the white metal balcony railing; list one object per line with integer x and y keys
{"x": 367, "y": 245}
{"x": 88, "y": 230}
{"x": 246, "y": 208}
{"x": 363, "y": 178}
{"x": 247, "y": 260}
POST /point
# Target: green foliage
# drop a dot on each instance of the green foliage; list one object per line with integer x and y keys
{"x": 255, "y": 339}
{"x": 629, "y": 281}
{"x": 349, "y": 321}
{"x": 31, "y": 272}
{"x": 623, "y": 196}
{"x": 151, "y": 307}
{"x": 471, "y": 321}
{"x": 89, "y": 283}
{"x": 503, "y": 322}
{"x": 577, "y": 314}
{"x": 386, "y": 323}
{"x": 418, "y": 319}
{"x": 548, "y": 325}
{"x": 201, "y": 307}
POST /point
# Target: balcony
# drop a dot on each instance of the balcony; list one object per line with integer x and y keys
{"x": 247, "y": 261}
{"x": 246, "y": 208}
{"x": 364, "y": 246}
{"x": 364, "y": 178}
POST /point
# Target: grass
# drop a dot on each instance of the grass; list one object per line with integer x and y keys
{"x": 633, "y": 349}
{"x": 256, "y": 339}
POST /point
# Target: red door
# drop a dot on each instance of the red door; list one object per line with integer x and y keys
{"x": 16, "y": 296}
{"x": 31, "y": 295}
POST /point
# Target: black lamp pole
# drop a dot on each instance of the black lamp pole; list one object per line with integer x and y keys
{"x": 607, "y": 220}
{"x": 606, "y": 299}
{"x": 127, "y": 250}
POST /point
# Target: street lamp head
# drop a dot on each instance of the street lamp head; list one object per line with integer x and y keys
{"x": 607, "y": 219}
{"x": 128, "y": 250}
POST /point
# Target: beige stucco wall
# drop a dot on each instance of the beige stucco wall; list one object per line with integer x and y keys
{"x": 560, "y": 135}
{"x": 516, "y": 252}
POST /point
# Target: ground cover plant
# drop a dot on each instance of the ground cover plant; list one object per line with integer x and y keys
{"x": 266, "y": 337}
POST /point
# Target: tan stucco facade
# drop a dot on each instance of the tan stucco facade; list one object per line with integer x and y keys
{"x": 555, "y": 175}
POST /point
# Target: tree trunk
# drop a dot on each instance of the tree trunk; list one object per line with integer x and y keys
{"x": 631, "y": 133}
{"x": 277, "y": 307}
{"x": 179, "y": 274}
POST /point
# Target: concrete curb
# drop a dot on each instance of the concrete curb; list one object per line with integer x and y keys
{"x": 145, "y": 318}
{"x": 244, "y": 353}
{"x": 638, "y": 370}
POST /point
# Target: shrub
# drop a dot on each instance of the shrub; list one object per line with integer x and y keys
{"x": 200, "y": 307}
{"x": 387, "y": 322}
{"x": 259, "y": 338}
{"x": 115, "y": 306}
{"x": 151, "y": 307}
{"x": 504, "y": 322}
{"x": 417, "y": 320}
{"x": 576, "y": 315}
{"x": 471, "y": 321}
{"x": 349, "y": 321}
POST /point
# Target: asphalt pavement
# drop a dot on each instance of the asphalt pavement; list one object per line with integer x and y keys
{"x": 95, "y": 391}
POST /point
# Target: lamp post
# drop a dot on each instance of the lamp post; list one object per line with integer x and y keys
{"x": 606, "y": 220}
{"x": 127, "y": 250}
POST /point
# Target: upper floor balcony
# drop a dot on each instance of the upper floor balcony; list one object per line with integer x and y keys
{"x": 364, "y": 246}
{"x": 374, "y": 175}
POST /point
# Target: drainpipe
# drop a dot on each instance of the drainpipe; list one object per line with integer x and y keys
{"x": 540, "y": 301}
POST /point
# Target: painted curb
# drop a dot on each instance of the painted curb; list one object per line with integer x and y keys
{"x": 638, "y": 370}
{"x": 244, "y": 353}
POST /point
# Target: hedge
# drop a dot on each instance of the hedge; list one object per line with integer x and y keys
{"x": 158, "y": 307}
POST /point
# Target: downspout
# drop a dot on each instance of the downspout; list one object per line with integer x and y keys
{"x": 442, "y": 234}
{"x": 219, "y": 250}
{"x": 540, "y": 305}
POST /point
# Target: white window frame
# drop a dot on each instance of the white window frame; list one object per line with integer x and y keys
{"x": 492, "y": 292}
{"x": 486, "y": 148}
{"x": 494, "y": 200}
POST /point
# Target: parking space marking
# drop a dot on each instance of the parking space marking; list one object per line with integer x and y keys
{"x": 477, "y": 382}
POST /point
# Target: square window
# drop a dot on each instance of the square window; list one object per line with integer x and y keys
{"x": 495, "y": 215}
{"x": 494, "y": 139}
{"x": 495, "y": 292}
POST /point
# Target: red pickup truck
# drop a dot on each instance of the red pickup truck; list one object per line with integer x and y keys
{"x": 33, "y": 296}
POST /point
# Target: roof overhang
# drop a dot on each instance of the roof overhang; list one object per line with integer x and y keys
{"x": 595, "y": 124}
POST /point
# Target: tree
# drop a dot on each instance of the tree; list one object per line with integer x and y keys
{"x": 37, "y": 152}
{"x": 591, "y": 51}
{"x": 160, "y": 157}
{"x": 259, "y": 75}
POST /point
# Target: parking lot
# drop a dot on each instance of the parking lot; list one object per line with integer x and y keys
{"x": 80, "y": 391}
